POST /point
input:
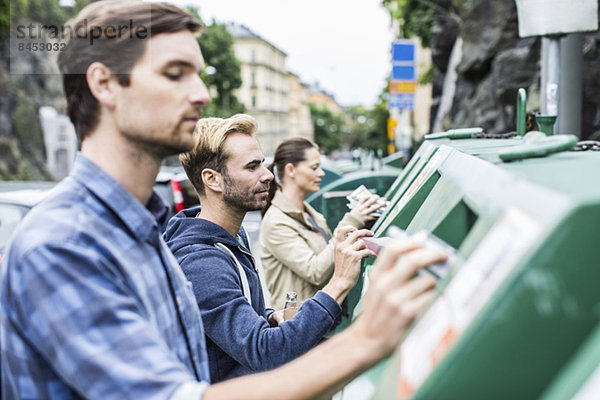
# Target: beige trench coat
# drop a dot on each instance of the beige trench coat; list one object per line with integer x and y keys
{"x": 294, "y": 255}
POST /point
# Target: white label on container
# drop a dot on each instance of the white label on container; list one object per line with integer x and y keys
{"x": 499, "y": 252}
{"x": 591, "y": 387}
{"x": 427, "y": 171}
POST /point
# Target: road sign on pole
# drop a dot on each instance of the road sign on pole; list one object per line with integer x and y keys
{"x": 401, "y": 101}
{"x": 403, "y": 76}
{"x": 402, "y": 86}
{"x": 391, "y": 125}
{"x": 403, "y": 50}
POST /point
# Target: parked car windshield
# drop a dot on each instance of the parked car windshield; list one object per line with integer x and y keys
{"x": 10, "y": 216}
{"x": 16, "y": 199}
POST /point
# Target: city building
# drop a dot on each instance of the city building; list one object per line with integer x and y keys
{"x": 300, "y": 121}
{"x": 60, "y": 141}
{"x": 271, "y": 94}
{"x": 322, "y": 99}
{"x": 423, "y": 95}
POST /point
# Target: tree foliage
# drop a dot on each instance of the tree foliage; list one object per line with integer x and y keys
{"x": 4, "y": 17}
{"x": 415, "y": 17}
{"x": 222, "y": 73}
{"x": 47, "y": 12}
{"x": 328, "y": 127}
{"x": 380, "y": 115}
{"x": 368, "y": 127}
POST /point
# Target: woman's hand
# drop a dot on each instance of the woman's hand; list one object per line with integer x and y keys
{"x": 365, "y": 206}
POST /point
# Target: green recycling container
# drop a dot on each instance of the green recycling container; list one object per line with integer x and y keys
{"x": 522, "y": 295}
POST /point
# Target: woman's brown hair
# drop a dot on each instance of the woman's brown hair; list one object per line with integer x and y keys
{"x": 292, "y": 151}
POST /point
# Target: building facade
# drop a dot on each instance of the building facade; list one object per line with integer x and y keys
{"x": 276, "y": 98}
{"x": 300, "y": 121}
{"x": 60, "y": 141}
{"x": 322, "y": 99}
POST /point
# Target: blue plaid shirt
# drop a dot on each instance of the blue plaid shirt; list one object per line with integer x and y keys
{"x": 93, "y": 304}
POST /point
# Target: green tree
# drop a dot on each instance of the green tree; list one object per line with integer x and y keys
{"x": 380, "y": 115}
{"x": 222, "y": 73}
{"x": 368, "y": 127}
{"x": 415, "y": 17}
{"x": 358, "y": 127}
{"x": 328, "y": 127}
{"x": 4, "y": 17}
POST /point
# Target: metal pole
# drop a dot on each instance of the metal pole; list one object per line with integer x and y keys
{"x": 552, "y": 65}
{"x": 543, "y": 74}
{"x": 571, "y": 85}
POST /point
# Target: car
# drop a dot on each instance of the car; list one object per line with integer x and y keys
{"x": 16, "y": 199}
{"x": 175, "y": 189}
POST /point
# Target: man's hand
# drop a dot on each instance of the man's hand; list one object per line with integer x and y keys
{"x": 349, "y": 251}
{"x": 392, "y": 301}
{"x": 394, "y": 296}
{"x": 275, "y": 318}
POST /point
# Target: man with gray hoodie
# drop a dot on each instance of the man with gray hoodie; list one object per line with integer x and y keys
{"x": 243, "y": 336}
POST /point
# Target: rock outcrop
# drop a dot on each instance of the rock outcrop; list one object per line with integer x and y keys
{"x": 495, "y": 63}
{"x": 28, "y": 81}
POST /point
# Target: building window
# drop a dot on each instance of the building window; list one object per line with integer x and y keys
{"x": 253, "y": 55}
{"x": 253, "y": 101}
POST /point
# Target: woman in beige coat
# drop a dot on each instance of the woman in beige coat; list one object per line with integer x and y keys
{"x": 295, "y": 249}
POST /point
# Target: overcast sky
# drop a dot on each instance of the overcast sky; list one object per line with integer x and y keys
{"x": 342, "y": 44}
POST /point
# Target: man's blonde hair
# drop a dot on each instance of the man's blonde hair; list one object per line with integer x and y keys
{"x": 210, "y": 135}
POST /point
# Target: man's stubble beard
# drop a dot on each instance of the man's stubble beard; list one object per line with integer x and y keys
{"x": 163, "y": 147}
{"x": 238, "y": 199}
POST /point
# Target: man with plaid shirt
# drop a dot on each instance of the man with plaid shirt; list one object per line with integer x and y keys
{"x": 92, "y": 303}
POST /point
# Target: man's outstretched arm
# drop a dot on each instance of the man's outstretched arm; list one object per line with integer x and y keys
{"x": 392, "y": 301}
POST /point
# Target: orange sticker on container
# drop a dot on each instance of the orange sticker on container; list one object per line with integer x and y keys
{"x": 443, "y": 346}
{"x": 405, "y": 390}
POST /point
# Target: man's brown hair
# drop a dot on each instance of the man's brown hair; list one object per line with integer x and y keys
{"x": 114, "y": 33}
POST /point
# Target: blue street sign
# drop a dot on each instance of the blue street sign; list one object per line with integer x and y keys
{"x": 403, "y": 72}
{"x": 401, "y": 101}
{"x": 403, "y": 51}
